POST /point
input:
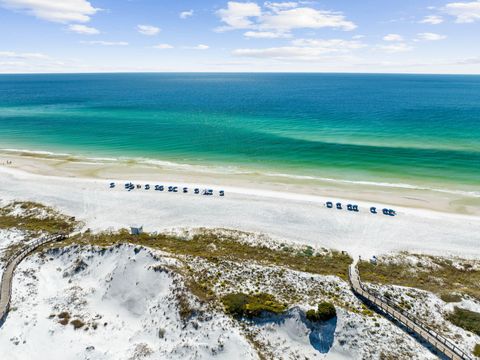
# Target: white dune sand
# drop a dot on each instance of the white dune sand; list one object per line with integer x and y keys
{"x": 287, "y": 216}
{"x": 124, "y": 304}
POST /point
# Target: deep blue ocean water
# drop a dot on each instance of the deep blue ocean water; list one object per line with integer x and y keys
{"x": 412, "y": 129}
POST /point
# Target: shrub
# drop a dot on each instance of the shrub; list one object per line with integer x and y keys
{"x": 450, "y": 297}
{"x": 77, "y": 323}
{"x": 64, "y": 318}
{"x": 311, "y": 315}
{"x": 476, "y": 350}
{"x": 325, "y": 311}
{"x": 466, "y": 319}
{"x": 243, "y": 305}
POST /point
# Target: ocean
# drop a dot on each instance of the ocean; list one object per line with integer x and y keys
{"x": 418, "y": 131}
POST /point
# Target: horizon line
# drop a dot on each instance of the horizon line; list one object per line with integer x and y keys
{"x": 238, "y": 72}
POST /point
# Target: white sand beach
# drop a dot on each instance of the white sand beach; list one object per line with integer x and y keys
{"x": 289, "y": 214}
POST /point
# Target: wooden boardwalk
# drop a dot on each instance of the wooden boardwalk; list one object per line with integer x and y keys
{"x": 7, "y": 276}
{"x": 443, "y": 346}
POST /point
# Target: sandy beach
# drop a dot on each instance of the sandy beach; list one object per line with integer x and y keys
{"x": 428, "y": 222}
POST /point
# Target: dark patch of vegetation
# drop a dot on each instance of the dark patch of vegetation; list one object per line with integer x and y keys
{"x": 250, "y": 306}
{"x": 216, "y": 247}
{"x": 29, "y": 221}
{"x": 466, "y": 319}
{"x": 77, "y": 324}
{"x": 450, "y": 298}
{"x": 184, "y": 308}
{"x": 476, "y": 350}
{"x": 441, "y": 278}
{"x": 64, "y": 318}
{"x": 325, "y": 311}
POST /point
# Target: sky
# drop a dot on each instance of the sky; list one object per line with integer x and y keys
{"x": 379, "y": 36}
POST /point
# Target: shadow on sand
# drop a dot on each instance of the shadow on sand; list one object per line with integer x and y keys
{"x": 320, "y": 334}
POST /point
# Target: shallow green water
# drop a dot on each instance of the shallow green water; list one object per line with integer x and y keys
{"x": 419, "y": 130}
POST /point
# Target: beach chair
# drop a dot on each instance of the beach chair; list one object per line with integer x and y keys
{"x": 170, "y": 188}
{"x": 147, "y": 187}
{"x": 339, "y": 206}
{"x": 112, "y": 185}
{"x": 373, "y": 210}
{"x": 196, "y": 191}
{"x": 392, "y": 212}
{"x": 222, "y": 193}
{"x": 139, "y": 186}
{"x": 349, "y": 207}
{"x": 175, "y": 189}
{"x": 329, "y": 204}
{"x": 386, "y": 212}
{"x": 185, "y": 190}
{"x": 355, "y": 208}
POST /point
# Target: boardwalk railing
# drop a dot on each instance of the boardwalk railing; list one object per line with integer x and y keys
{"x": 443, "y": 345}
{"x": 7, "y": 276}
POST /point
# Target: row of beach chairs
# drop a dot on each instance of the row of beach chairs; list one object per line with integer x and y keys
{"x": 354, "y": 208}
{"x": 172, "y": 189}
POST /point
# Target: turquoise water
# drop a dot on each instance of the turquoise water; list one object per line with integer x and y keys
{"x": 409, "y": 129}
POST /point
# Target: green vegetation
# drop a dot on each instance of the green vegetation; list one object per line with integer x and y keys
{"x": 215, "y": 247}
{"x": 466, "y": 319}
{"x": 476, "y": 350}
{"x": 325, "y": 311}
{"x": 249, "y": 306}
{"x": 442, "y": 277}
{"x": 450, "y": 298}
{"x": 34, "y": 218}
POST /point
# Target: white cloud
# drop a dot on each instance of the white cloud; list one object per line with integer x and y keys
{"x": 430, "y": 36}
{"x": 266, "y": 35}
{"x": 465, "y": 12}
{"x": 105, "y": 43}
{"x": 12, "y": 64}
{"x": 280, "y": 17}
{"x": 63, "y": 11}
{"x": 286, "y": 20}
{"x": 237, "y": 15}
{"x": 280, "y": 5}
{"x": 163, "y": 46}
{"x": 396, "y": 48}
{"x": 186, "y": 14}
{"x": 198, "y": 47}
{"x": 83, "y": 29}
{"x": 432, "y": 20}
{"x": 148, "y": 30}
{"x": 15, "y": 55}
{"x": 393, "y": 37}
{"x": 303, "y": 49}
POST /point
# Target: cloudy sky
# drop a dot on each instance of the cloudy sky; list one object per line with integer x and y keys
{"x": 407, "y": 36}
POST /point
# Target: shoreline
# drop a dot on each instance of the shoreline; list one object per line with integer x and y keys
{"x": 399, "y": 195}
{"x": 285, "y": 212}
